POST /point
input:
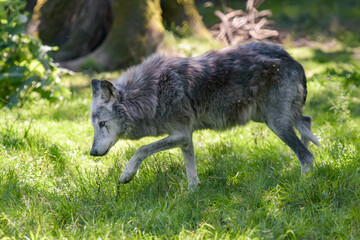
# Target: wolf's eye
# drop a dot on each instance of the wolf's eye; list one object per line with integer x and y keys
{"x": 101, "y": 124}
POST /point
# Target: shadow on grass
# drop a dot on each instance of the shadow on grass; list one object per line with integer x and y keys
{"x": 338, "y": 56}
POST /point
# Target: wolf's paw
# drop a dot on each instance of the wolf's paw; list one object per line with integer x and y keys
{"x": 126, "y": 177}
{"x": 305, "y": 169}
{"x": 193, "y": 183}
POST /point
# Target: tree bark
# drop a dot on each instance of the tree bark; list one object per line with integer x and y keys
{"x": 184, "y": 15}
{"x": 136, "y": 32}
{"x": 89, "y": 31}
{"x": 56, "y": 20}
{"x": 78, "y": 27}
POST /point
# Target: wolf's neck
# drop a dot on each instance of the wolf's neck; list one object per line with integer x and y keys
{"x": 140, "y": 103}
{"x": 140, "y": 87}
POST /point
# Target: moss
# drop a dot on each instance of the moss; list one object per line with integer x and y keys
{"x": 183, "y": 17}
{"x": 137, "y": 31}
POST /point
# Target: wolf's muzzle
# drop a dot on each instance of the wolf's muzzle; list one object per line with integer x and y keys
{"x": 93, "y": 152}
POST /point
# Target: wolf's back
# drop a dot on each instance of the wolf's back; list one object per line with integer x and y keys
{"x": 251, "y": 69}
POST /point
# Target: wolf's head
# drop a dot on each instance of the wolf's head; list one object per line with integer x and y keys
{"x": 108, "y": 117}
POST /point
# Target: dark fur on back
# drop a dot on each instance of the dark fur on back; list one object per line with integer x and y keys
{"x": 217, "y": 90}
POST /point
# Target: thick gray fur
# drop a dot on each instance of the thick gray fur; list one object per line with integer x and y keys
{"x": 218, "y": 90}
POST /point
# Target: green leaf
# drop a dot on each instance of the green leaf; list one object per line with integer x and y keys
{"x": 14, "y": 98}
{"x": 36, "y": 66}
{"x": 15, "y": 76}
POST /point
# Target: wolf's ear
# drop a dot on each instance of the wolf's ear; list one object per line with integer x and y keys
{"x": 108, "y": 91}
{"x": 95, "y": 87}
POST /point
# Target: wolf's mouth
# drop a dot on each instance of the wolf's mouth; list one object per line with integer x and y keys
{"x": 110, "y": 146}
{"x": 97, "y": 154}
{"x": 106, "y": 152}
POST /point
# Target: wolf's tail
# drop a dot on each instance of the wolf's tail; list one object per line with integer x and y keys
{"x": 303, "y": 124}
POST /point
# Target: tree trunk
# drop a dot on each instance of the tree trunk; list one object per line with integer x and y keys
{"x": 184, "y": 15}
{"x": 78, "y": 27}
{"x": 56, "y": 20}
{"x": 110, "y": 34}
{"x": 136, "y": 32}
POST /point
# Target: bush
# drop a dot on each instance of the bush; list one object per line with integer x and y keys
{"x": 25, "y": 66}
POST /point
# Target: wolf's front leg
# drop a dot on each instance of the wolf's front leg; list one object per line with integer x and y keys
{"x": 177, "y": 139}
{"x": 189, "y": 160}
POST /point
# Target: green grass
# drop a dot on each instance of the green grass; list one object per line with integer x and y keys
{"x": 250, "y": 181}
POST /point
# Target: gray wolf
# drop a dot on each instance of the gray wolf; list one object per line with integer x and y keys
{"x": 221, "y": 89}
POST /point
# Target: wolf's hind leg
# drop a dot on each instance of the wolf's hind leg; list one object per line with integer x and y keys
{"x": 303, "y": 124}
{"x": 286, "y": 132}
{"x": 176, "y": 139}
{"x": 189, "y": 160}
{"x": 306, "y": 121}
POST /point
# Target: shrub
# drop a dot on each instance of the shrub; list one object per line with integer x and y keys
{"x": 25, "y": 66}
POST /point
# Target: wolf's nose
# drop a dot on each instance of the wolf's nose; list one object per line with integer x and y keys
{"x": 93, "y": 152}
